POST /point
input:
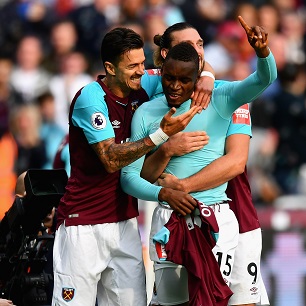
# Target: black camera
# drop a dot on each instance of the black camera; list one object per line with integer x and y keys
{"x": 25, "y": 246}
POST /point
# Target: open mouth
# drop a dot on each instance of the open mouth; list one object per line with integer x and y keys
{"x": 174, "y": 96}
{"x": 136, "y": 80}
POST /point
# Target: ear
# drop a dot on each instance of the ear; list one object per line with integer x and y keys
{"x": 110, "y": 68}
{"x": 164, "y": 52}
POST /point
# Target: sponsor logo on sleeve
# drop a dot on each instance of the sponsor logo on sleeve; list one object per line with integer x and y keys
{"x": 154, "y": 72}
{"x": 98, "y": 121}
{"x": 242, "y": 115}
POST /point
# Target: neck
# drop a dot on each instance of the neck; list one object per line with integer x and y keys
{"x": 114, "y": 87}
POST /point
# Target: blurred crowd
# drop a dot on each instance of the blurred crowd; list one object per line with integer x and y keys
{"x": 51, "y": 48}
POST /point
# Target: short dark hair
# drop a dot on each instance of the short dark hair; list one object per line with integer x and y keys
{"x": 118, "y": 41}
{"x": 184, "y": 52}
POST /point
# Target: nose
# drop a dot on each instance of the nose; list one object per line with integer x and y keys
{"x": 141, "y": 69}
{"x": 175, "y": 85}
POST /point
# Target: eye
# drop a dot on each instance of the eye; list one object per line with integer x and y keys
{"x": 168, "y": 77}
{"x": 185, "y": 81}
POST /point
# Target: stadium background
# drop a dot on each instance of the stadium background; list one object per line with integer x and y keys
{"x": 277, "y": 155}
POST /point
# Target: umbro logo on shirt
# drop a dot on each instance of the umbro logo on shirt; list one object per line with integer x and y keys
{"x": 116, "y": 124}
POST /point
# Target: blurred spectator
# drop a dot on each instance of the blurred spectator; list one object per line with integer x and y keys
{"x": 12, "y": 27}
{"x": 204, "y": 15}
{"x": 164, "y": 8}
{"x": 50, "y": 131}
{"x": 25, "y": 126}
{"x": 289, "y": 120}
{"x": 293, "y": 28}
{"x": 9, "y": 98}
{"x": 8, "y": 155}
{"x": 153, "y": 24}
{"x": 249, "y": 12}
{"x": 91, "y": 22}
{"x": 131, "y": 10}
{"x": 65, "y": 85}
{"x": 28, "y": 76}
{"x": 225, "y": 49}
{"x": 285, "y": 5}
{"x": 63, "y": 39}
{"x": 269, "y": 18}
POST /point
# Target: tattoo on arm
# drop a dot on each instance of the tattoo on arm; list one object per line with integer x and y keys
{"x": 115, "y": 156}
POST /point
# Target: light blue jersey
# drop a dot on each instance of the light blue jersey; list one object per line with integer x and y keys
{"x": 215, "y": 120}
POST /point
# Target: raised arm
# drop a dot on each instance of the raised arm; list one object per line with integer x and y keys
{"x": 234, "y": 94}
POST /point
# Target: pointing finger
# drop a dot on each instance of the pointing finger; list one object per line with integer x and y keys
{"x": 244, "y": 25}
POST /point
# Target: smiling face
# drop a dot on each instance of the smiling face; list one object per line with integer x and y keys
{"x": 128, "y": 72}
{"x": 178, "y": 80}
{"x": 193, "y": 37}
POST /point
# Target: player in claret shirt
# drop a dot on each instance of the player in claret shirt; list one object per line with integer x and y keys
{"x": 97, "y": 247}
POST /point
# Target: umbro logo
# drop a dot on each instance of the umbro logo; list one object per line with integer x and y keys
{"x": 254, "y": 289}
{"x": 116, "y": 124}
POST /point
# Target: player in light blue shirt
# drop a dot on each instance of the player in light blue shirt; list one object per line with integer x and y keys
{"x": 215, "y": 120}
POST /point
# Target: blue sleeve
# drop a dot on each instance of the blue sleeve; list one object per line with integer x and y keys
{"x": 90, "y": 113}
{"x": 162, "y": 236}
{"x": 131, "y": 182}
{"x": 232, "y": 95}
{"x": 240, "y": 122}
{"x": 151, "y": 83}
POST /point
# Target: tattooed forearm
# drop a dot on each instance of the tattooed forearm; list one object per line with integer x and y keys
{"x": 115, "y": 156}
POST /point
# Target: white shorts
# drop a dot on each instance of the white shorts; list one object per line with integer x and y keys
{"x": 169, "y": 276}
{"x": 171, "y": 284}
{"x": 247, "y": 283}
{"x": 102, "y": 261}
{"x": 227, "y": 243}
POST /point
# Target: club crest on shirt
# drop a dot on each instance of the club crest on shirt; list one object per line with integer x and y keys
{"x": 134, "y": 105}
{"x": 98, "y": 121}
{"x": 242, "y": 115}
{"x": 67, "y": 294}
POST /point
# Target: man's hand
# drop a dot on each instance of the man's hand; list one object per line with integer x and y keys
{"x": 168, "y": 180}
{"x": 185, "y": 142}
{"x": 203, "y": 91}
{"x": 179, "y": 201}
{"x": 172, "y": 125}
{"x": 257, "y": 37}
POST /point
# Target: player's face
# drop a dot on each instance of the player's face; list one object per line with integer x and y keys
{"x": 178, "y": 80}
{"x": 192, "y": 37}
{"x": 129, "y": 71}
